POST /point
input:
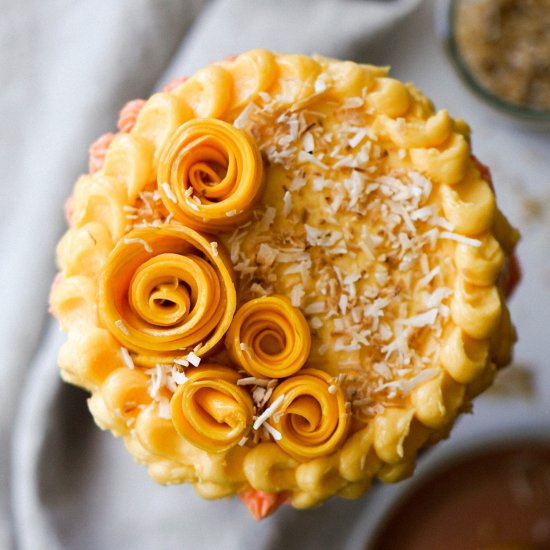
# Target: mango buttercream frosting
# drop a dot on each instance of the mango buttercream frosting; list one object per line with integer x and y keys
{"x": 283, "y": 277}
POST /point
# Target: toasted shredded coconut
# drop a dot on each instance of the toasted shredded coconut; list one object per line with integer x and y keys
{"x": 164, "y": 408}
{"x": 194, "y": 359}
{"x": 424, "y": 281}
{"x": 315, "y": 323}
{"x": 267, "y": 219}
{"x": 315, "y": 308}
{"x": 358, "y": 137}
{"x": 169, "y": 193}
{"x": 276, "y": 434}
{"x": 305, "y": 157}
{"x": 268, "y": 412}
{"x": 391, "y": 288}
{"x": 145, "y": 244}
{"x": 296, "y": 295}
{"x": 460, "y": 238}
{"x": 214, "y": 247}
{"x": 287, "y": 203}
{"x": 406, "y": 386}
{"x": 127, "y": 358}
{"x": 253, "y": 381}
{"x": 244, "y": 116}
{"x": 179, "y": 377}
{"x": 266, "y": 255}
{"x": 119, "y": 323}
{"x": 420, "y": 320}
{"x": 192, "y": 204}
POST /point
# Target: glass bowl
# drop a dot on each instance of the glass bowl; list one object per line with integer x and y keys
{"x": 447, "y": 27}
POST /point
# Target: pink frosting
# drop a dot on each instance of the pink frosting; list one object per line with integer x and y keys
{"x": 128, "y": 115}
{"x": 97, "y": 152}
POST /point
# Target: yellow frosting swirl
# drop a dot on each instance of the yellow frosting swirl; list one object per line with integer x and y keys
{"x": 165, "y": 290}
{"x": 210, "y": 175}
{"x": 269, "y": 337}
{"x": 210, "y": 411}
{"x": 312, "y": 417}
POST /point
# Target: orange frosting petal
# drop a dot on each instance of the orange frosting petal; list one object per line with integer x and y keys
{"x": 210, "y": 410}
{"x": 261, "y": 504}
{"x": 210, "y": 175}
{"x": 165, "y": 290}
{"x": 312, "y": 418}
{"x": 269, "y": 337}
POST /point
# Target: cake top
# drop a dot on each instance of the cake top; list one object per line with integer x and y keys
{"x": 278, "y": 262}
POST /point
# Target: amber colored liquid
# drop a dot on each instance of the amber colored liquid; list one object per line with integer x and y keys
{"x": 497, "y": 499}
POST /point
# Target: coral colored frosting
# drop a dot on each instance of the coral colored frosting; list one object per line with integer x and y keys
{"x": 260, "y": 503}
{"x": 128, "y": 115}
{"x": 97, "y": 152}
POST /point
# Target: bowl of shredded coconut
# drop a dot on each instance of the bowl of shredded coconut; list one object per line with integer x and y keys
{"x": 501, "y": 49}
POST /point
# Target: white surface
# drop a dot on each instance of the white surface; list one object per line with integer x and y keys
{"x": 74, "y": 486}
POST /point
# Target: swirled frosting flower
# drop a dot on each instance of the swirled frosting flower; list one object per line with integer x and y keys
{"x": 312, "y": 418}
{"x": 269, "y": 337}
{"x": 210, "y": 410}
{"x": 165, "y": 290}
{"x": 210, "y": 175}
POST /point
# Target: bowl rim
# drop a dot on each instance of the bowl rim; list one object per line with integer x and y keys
{"x": 446, "y": 24}
{"x": 483, "y": 440}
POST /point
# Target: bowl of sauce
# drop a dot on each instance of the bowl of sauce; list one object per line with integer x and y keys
{"x": 492, "y": 498}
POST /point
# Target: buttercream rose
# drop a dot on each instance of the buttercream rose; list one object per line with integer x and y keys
{"x": 312, "y": 416}
{"x": 210, "y": 410}
{"x": 165, "y": 291}
{"x": 210, "y": 175}
{"x": 269, "y": 337}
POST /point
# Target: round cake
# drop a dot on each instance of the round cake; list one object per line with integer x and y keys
{"x": 283, "y": 276}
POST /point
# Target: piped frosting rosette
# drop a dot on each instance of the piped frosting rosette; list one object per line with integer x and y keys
{"x": 210, "y": 410}
{"x": 269, "y": 337}
{"x": 165, "y": 290}
{"x": 312, "y": 417}
{"x": 210, "y": 175}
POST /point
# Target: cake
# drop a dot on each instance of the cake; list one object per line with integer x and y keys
{"x": 283, "y": 276}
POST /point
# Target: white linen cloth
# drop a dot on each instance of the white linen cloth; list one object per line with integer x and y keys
{"x": 66, "y": 68}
